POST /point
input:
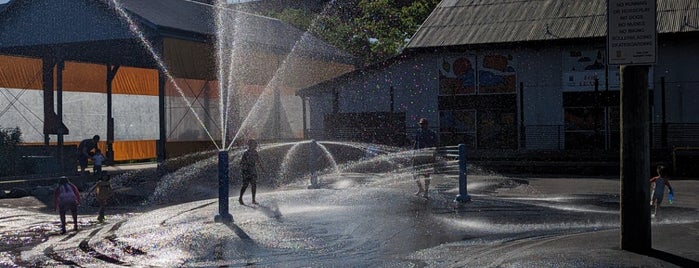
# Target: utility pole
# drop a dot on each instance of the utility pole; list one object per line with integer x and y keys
{"x": 635, "y": 160}
{"x": 631, "y": 43}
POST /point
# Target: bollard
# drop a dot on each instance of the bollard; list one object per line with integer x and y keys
{"x": 312, "y": 165}
{"x": 223, "y": 215}
{"x": 463, "y": 194}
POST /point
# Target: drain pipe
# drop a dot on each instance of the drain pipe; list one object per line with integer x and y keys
{"x": 223, "y": 215}
{"x": 463, "y": 194}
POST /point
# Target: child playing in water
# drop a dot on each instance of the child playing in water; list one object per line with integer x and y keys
{"x": 657, "y": 188}
{"x": 97, "y": 159}
{"x": 248, "y": 169}
{"x": 103, "y": 191}
{"x": 67, "y": 197}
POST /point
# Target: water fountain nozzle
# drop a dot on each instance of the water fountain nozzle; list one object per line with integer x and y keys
{"x": 463, "y": 196}
{"x": 223, "y": 215}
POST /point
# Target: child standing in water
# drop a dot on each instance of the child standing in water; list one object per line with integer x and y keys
{"x": 103, "y": 191}
{"x": 248, "y": 169}
{"x": 657, "y": 188}
{"x": 97, "y": 160}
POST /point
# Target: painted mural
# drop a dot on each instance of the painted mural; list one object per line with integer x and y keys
{"x": 477, "y": 74}
{"x": 457, "y": 76}
{"x": 496, "y": 74}
{"x": 582, "y": 67}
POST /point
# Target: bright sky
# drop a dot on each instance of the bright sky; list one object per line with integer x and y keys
{"x": 230, "y": 1}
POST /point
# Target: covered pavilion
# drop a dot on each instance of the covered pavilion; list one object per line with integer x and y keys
{"x": 152, "y": 52}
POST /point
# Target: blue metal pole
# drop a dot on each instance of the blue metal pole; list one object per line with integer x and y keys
{"x": 223, "y": 215}
{"x": 312, "y": 165}
{"x": 463, "y": 194}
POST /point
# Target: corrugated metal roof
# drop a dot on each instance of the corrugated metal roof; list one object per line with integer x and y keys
{"x": 200, "y": 18}
{"x": 469, "y": 22}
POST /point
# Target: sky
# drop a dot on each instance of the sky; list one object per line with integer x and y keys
{"x": 230, "y": 1}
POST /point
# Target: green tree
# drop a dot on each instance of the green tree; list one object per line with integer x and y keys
{"x": 10, "y": 138}
{"x": 372, "y": 30}
{"x": 301, "y": 19}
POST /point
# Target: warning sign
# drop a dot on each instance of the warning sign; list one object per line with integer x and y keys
{"x": 631, "y": 32}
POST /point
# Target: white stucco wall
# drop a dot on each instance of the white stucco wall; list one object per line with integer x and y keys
{"x": 85, "y": 114}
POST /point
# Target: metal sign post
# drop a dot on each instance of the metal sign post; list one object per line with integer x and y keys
{"x": 631, "y": 32}
{"x": 631, "y": 43}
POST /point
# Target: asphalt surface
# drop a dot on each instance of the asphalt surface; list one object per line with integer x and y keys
{"x": 359, "y": 220}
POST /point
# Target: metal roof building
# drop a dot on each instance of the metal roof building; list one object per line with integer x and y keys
{"x": 481, "y": 22}
{"x": 511, "y": 76}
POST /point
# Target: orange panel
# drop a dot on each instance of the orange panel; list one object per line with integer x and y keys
{"x": 136, "y": 81}
{"x": 85, "y": 77}
{"x": 20, "y": 72}
{"x": 133, "y": 150}
{"x": 192, "y": 88}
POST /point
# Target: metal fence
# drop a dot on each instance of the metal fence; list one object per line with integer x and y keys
{"x": 557, "y": 138}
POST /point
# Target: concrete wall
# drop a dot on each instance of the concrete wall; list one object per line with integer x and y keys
{"x": 85, "y": 114}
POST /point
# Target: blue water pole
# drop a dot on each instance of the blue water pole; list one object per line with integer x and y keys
{"x": 463, "y": 193}
{"x": 223, "y": 215}
{"x": 312, "y": 165}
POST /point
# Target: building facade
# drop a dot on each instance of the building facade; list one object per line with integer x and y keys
{"x": 524, "y": 76}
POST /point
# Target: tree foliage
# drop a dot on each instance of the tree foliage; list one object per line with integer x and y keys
{"x": 372, "y": 30}
{"x": 10, "y": 138}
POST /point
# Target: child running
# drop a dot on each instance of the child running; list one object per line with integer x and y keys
{"x": 248, "y": 169}
{"x": 657, "y": 188}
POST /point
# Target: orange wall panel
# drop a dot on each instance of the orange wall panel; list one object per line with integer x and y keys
{"x": 133, "y": 150}
{"x": 20, "y": 72}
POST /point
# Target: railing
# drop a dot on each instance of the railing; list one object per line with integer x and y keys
{"x": 544, "y": 137}
{"x": 557, "y": 138}
{"x": 677, "y": 135}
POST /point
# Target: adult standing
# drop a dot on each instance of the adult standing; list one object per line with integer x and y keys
{"x": 425, "y": 148}
{"x": 66, "y": 197}
{"x": 84, "y": 149}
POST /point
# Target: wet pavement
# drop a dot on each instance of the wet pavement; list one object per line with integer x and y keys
{"x": 365, "y": 219}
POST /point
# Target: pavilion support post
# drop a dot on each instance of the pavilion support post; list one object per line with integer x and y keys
{"x": 111, "y": 73}
{"x": 160, "y": 147}
{"x": 48, "y": 66}
{"x": 303, "y": 117}
{"x": 59, "y": 111}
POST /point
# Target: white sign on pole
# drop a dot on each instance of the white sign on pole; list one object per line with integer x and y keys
{"x": 631, "y": 32}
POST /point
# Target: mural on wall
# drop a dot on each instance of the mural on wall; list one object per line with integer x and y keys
{"x": 483, "y": 74}
{"x": 581, "y": 67}
{"x": 457, "y": 76}
{"x": 496, "y": 74}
